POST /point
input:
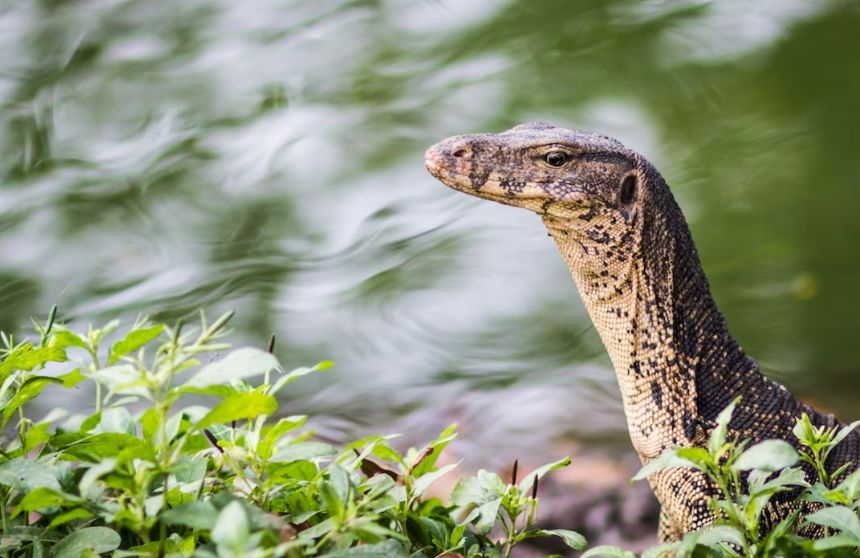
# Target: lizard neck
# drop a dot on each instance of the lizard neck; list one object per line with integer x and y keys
{"x": 676, "y": 362}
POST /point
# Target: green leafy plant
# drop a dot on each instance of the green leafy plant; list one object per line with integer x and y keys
{"x": 182, "y": 457}
{"x": 747, "y": 478}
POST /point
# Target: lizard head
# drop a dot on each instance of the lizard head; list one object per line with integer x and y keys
{"x": 629, "y": 250}
{"x": 587, "y": 188}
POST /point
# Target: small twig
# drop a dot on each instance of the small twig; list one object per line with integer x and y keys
{"x": 178, "y": 331}
{"x": 425, "y": 453}
{"x": 52, "y": 315}
{"x": 270, "y": 348}
{"x": 219, "y": 323}
{"x": 212, "y": 440}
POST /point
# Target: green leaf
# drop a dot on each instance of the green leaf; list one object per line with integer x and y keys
{"x": 240, "y": 406}
{"x": 718, "y": 435}
{"x": 221, "y": 391}
{"x": 190, "y": 469}
{"x": 117, "y": 419}
{"x": 96, "y": 539}
{"x": 122, "y": 379}
{"x": 25, "y": 475}
{"x": 787, "y": 477}
{"x": 609, "y": 552}
{"x": 571, "y": 538}
{"x": 700, "y": 456}
{"x": 173, "y": 424}
{"x": 850, "y": 487}
{"x": 302, "y": 451}
{"x": 770, "y": 456}
{"x": 387, "y": 549}
{"x": 26, "y": 357}
{"x": 94, "y": 473}
{"x": 71, "y": 515}
{"x": 109, "y": 444}
{"x": 294, "y": 375}
{"x": 803, "y": 430}
{"x": 539, "y": 473}
{"x": 756, "y": 503}
{"x": 423, "y": 482}
{"x": 479, "y": 498}
{"x": 339, "y": 479}
{"x": 437, "y": 445}
{"x": 150, "y": 421}
{"x": 14, "y": 536}
{"x": 231, "y": 528}
{"x": 72, "y": 378}
{"x": 844, "y": 432}
{"x": 41, "y": 498}
{"x": 688, "y": 546}
{"x": 379, "y": 488}
{"x": 238, "y": 365}
{"x": 295, "y": 470}
{"x": 368, "y": 530}
{"x": 366, "y": 445}
{"x": 482, "y": 488}
{"x": 7, "y": 391}
{"x": 383, "y": 450}
{"x": 134, "y": 340}
{"x": 320, "y": 529}
{"x": 63, "y": 338}
{"x": 36, "y": 435}
{"x": 666, "y": 460}
{"x": 837, "y": 517}
{"x": 196, "y": 515}
{"x": 334, "y": 504}
{"x": 32, "y": 387}
{"x": 86, "y": 426}
{"x": 836, "y": 541}
{"x": 284, "y": 425}
{"x": 722, "y": 533}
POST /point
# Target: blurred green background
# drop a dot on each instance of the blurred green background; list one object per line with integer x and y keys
{"x": 266, "y": 156}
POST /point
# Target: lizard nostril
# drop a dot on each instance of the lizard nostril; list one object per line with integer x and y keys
{"x": 459, "y": 153}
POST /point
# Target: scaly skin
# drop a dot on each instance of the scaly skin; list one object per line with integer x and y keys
{"x": 631, "y": 255}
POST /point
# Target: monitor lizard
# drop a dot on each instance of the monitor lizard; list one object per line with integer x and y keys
{"x": 628, "y": 247}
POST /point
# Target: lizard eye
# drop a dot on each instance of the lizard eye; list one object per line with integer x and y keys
{"x": 555, "y": 158}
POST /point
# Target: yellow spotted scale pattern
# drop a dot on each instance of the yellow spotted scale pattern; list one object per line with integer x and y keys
{"x": 632, "y": 258}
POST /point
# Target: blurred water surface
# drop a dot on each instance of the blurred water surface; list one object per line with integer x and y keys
{"x": 266, "y": 156}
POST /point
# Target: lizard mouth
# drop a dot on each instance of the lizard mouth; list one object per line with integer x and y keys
{"x": 451, "y": 162}
{"x": 533, "y": 196}
{"x": 444, "y": 169}
{"x": 489, "y": 189}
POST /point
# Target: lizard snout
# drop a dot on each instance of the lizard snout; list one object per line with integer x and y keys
{"x": 448, "y": 158}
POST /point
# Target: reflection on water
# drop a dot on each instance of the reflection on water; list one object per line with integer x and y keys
{"x": 267, "y": 156}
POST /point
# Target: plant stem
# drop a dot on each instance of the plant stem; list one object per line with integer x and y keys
{"x": 509, "y": 542}
{"x": 94, "y": 354}
{"x": 161, "y": 395}
{"x": 3, "y": 522}
{"x": 162, "y": 527}
{"x": 22, "y": 431}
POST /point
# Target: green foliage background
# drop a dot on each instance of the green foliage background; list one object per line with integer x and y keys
{"x": 148, "y": 474}
{"x": 185, "y": 458}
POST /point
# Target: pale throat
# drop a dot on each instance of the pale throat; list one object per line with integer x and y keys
{"x": 611, "y": 298}
{"x": 629, "y": 317}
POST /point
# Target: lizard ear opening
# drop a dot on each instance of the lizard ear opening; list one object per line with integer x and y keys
{"x": 628, "y": 190}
